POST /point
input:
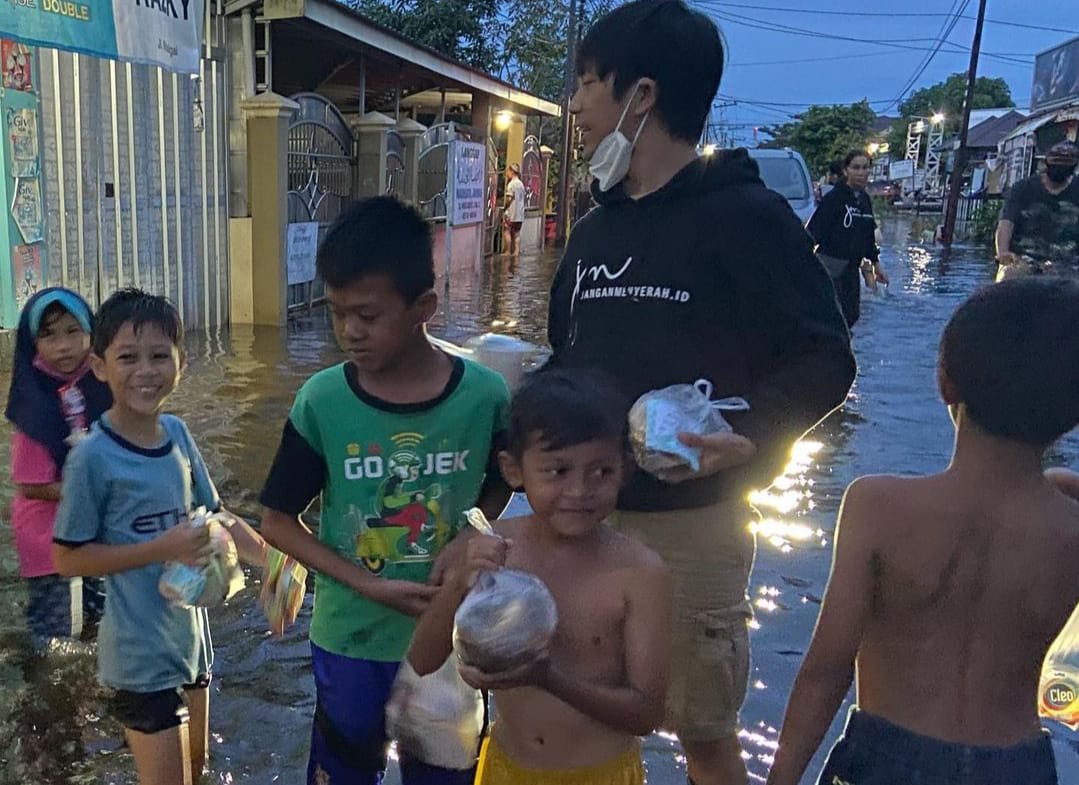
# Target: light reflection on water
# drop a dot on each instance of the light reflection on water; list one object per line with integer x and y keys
{"x": 235, "y": 397}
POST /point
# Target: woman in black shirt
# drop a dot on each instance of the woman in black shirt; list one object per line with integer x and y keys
{"x": 844, "y": 229}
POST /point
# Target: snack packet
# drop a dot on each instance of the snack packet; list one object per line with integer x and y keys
{"x": 659, "y": 416}
{"x": 283, "y": 590}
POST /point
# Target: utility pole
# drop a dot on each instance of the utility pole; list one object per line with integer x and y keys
{"x": 960, "y": 164}
{"x": 565, "y": 174}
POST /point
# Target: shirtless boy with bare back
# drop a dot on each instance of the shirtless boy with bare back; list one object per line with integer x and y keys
{"x": 947, "y": 590}
{"x": 573, "y": 715}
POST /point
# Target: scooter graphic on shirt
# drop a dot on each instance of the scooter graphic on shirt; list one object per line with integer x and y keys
{"x": 408, "y": 525}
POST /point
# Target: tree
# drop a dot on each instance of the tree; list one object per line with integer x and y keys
{"x": 465, "y": 30}
{"x": 824, "y": 133}
{"x": 947, "y": 97}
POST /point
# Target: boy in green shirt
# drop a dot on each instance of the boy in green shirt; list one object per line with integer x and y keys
{"x": 398, "y": 441}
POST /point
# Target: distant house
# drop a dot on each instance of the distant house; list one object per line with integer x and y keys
{"x": 983, "y": 140}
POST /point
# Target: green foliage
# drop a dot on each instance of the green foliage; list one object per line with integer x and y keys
{"x": 524, "y": 42}
{"x": 824, "y": 133}
{"x": 948, "y": 97}
{"x": 983, "y": 223}
{"x": 461, "y": 29}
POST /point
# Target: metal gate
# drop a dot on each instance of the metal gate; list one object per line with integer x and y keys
{"x": 320, "y": 174}
{"x": 395, "y": 163}
{"x": 135, "y": 176}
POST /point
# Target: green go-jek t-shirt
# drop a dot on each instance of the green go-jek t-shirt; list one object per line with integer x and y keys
{"x": 394, "y": 481}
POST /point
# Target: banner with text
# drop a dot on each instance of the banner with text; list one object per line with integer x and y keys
{"x": 158, "y": 32}
{"x": 466, "y": 190}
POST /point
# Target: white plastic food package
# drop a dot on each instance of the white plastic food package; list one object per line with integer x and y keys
{"x": 659, "y": 416}
{"x": 436, "y": 718}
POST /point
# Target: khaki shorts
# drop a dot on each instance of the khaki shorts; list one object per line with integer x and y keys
{"x": 709, "y": 553}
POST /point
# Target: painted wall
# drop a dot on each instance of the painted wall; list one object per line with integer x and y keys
{"x": 22, "y": 228}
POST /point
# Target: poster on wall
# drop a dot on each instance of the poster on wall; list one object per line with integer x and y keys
{"x": 26, "y": 272}
{"x": 167, "y": 33}
{"x": 26, "y": 209}
{"x": 22, "y": 140}
{"x": 301, "y": 249}
{"x": 17, "y": 65}
{"x": 469, "y": 175}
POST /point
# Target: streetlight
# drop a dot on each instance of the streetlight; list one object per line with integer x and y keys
{"x": 502, "y": 120}
{"x": 872, "y": 148}
{"x": 708, "y": 150}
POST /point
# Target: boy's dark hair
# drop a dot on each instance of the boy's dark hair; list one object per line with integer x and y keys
{"x": 379, "y": 236}
{"x": 1012, "y": 353}
{"x": 856, "y": 154}
{"x": 558, "y": 408}
{"x": 139, "y": 308}
{"x": 663, "y": 40}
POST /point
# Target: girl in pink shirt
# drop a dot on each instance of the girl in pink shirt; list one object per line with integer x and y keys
{"x": 53, "y": 400}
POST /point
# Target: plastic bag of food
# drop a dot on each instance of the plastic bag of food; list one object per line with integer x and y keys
{"x": 507, "y": 620}
{"x": 436, "y": 718}
{"x": 283, "y": 590}
{"x": 659, "y": 416}
{"x": 1058, "y": 694}
{"x": 211, "y": 583}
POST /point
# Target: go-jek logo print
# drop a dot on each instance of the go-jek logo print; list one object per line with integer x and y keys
{"x": 404, "y": 522}
{"x": 374, "y": 466}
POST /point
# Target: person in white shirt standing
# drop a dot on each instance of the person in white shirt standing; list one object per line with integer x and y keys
{"x": 515, "y": 208}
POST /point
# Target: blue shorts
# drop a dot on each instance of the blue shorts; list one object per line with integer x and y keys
{"x": 348, "y": 739}
{"x": 873, "y": 751}
{"x": 60, "y": 607}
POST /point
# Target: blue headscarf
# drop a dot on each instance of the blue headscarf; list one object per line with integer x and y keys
{"x": 33, "y": 404}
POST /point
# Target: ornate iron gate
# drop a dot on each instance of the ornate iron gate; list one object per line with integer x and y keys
{"x": 321, "y": 174}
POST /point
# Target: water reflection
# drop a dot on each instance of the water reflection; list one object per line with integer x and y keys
{"x": 235, "y": 396}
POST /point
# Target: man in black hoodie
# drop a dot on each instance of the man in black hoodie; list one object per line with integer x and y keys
{"x": 690, "y": 268}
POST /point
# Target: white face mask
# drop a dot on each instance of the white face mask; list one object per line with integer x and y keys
{"x": 609, "y": 163}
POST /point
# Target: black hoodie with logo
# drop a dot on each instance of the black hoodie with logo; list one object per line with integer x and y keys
{"x": 844, "y": 226}
{"x": 710, "y": 277}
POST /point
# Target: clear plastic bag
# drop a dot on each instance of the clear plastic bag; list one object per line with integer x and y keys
{"x": 659, "y": 416}
{"x": 507, "y": 620}
{"x": 436, "y": 718}
{"x": 215, "y": 581}
{"x": 1058, "y": 693}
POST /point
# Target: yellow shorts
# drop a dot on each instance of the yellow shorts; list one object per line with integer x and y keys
{"x": 709, "y": 553}
{"x": 497, "y": 768}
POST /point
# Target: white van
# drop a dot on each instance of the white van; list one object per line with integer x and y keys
{"x": 786, "y": 173}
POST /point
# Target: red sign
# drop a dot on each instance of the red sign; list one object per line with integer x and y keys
{"x": 17, "y": 69}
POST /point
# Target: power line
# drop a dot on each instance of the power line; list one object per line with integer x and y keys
{"x": 909, "y": 44}
{"x": 859, "y": 13}
{"x": 946, "y": 30}
{"x": 810, "y": 59}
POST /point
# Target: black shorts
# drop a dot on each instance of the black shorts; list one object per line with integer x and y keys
{"x": 515, "y": 228}
{"x": 153, "y": 712}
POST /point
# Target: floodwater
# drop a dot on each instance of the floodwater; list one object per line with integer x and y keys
{"x": 235, "y": 397}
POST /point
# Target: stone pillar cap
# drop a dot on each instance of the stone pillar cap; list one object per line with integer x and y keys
{"x": 407, "y": 126}
{"x": 269, "y": 105}
{"x": 372, "y": 120}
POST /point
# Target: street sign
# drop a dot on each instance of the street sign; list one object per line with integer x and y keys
{"x": 901, "y": 170}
